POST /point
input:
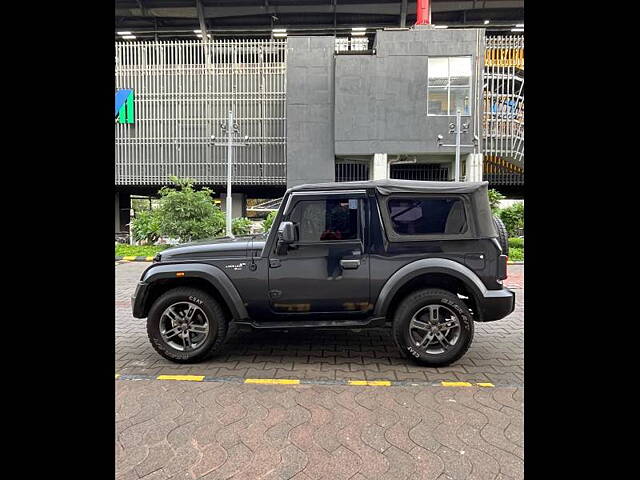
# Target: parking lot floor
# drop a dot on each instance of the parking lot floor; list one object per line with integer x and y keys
{"x": 224, "y": 428}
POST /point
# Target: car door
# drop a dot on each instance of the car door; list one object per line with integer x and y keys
{"x": 326, "y": 270}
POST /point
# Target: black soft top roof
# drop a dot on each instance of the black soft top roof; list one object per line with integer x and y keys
{"x": 388, "y": 186}
{"x": 477, "y": 198}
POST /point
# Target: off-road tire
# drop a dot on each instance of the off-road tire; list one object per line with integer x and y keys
{"x": 418, "y": 300}
{"x": 503, "y": 237}
{"x": 211, "y": 308}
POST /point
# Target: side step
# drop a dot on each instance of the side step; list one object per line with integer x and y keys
{"x": 294, "y": 324}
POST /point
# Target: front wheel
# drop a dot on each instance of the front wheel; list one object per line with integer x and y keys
{"x": 186, "y": 325}
{"x": 433, "y": 327}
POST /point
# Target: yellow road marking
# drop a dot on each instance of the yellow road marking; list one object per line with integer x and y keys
{"x": 192, "y": 378}
{"x": 117, "y": 375}
{"x": 129, "y": 258}
{"x": 373, "y": 383}
{"x": 272, "y": 381}
{"x": 149, "y": 259}
{"x": 456, "y": 384}
{"x": 485, "y": 384}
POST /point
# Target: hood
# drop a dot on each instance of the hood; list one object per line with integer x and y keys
{"x": 215, "y": 247}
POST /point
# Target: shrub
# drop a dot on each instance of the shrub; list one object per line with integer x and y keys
{"x": 494, "y": 200}
{"x": 516, "y": 243}
{"x": 516, "y": 254}
{"x": 266, "y": 224}
{"x": 241, "y": 226}
{"x": 138, "y": 250}
{"x": 513, "y": 218}
{"x": 188, "y": 214}
{"x": 146, "y": 226}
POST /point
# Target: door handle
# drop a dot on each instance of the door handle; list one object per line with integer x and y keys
{"x": 349, "y": 264}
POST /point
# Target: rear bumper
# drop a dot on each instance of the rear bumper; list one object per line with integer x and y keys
{"x": 138, "y": 300}
{"x": 496, "y": 304}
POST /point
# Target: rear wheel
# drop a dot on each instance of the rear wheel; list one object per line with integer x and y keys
{"x": 186, "y": 325}
{"x": 433, "y": 327}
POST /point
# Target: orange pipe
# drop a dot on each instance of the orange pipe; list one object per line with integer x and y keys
{"x": 423, "y": 12}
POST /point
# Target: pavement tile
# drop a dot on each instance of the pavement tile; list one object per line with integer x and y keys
{"x": 339, "y": 432}
{"x": 222, "y": 430}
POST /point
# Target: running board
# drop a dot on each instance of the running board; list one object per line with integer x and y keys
{"x": 368, "y": 322}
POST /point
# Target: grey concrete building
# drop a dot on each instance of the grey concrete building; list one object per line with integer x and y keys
{"x": 318, "y": 108}
{"x": 385, "y": 108}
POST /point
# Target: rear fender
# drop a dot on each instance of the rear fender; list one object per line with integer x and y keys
{"x": 425, "y": 266}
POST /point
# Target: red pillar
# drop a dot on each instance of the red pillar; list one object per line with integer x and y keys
{"x": 423, "y": 12}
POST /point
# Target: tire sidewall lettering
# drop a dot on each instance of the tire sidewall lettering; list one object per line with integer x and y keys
{"x": 196, "y": 299}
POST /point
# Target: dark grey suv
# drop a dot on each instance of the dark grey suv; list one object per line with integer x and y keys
{"x": 424, "y": 258}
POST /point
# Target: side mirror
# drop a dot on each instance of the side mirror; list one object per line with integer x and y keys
{"x": 286, "y": 233}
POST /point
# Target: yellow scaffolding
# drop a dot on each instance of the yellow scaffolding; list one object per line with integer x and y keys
{"x": 505, "y": 52}
{"x": 494, "y": 164}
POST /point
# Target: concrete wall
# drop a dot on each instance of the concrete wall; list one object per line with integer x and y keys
{"x": 381, "y": 100}
{"x": 310, "y": 97}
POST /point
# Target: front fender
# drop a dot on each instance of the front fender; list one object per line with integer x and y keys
{"x": 421, "y": 267}
{"x": 211, "y": 274}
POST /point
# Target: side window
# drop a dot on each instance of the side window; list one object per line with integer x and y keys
{"x": 325, "y": 220}
{"x": 427, "y": 215}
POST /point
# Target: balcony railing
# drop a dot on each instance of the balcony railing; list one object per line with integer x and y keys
{"x": 503, "y": 99}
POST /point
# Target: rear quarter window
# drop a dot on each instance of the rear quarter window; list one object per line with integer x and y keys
{"x": 427, "y": 215}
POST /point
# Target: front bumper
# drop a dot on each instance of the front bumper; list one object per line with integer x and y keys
{"x": 496, "y": 304}
{"x": 138, "y": 300}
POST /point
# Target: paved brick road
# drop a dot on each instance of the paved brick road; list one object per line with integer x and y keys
{"x": 187, "y": 430}
{"x": 496, "y": 354}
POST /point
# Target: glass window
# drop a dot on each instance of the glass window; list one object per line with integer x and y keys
{"x": 423, "y": 216}
{"x": 449, "y": 86}
{"x": 438, "y": 101}
{"x": 459, "y": 99}
{"x": 325, "y": 220}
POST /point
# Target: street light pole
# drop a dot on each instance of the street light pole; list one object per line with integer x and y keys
{"x": 457, "y": 172}
{"x": 229, "y": 160}
{"x": 458, "y": 128}
{"x": 231, "y": 128}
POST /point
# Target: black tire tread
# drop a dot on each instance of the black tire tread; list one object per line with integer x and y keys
{"x": 218, "y": 313}
{"x": 408, "y": 302}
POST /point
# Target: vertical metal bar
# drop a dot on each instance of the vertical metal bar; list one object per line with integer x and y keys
{"x": 229, "y": 163}
{"x": 457, "y": 172}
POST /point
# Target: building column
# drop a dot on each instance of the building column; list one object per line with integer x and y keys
{"x": 380, "y": 166}
{"x": 238, "y": 204}
{"x": 474, "y": 167}
{"x": 117, "y": 213}
{"x": 124, "y": 211}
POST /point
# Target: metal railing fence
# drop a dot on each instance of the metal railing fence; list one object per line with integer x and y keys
{"x": 183, "y": 91}
{"x": 503, "y": 98}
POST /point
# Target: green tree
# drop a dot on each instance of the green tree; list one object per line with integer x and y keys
{"x": 513, "y": 218}
{"x": 494, "y": 200}
{"x": 146, "y": 226}
{"x": 241, "y": 226}
{"x": 266, "y": 224}
{"x": 188, "y": 214}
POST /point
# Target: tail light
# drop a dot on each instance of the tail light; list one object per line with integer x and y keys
{"x": 502, "y": 267}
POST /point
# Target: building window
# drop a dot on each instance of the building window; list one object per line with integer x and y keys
{"x": 449, "y": 86}
{"x": 424, "y": 216}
